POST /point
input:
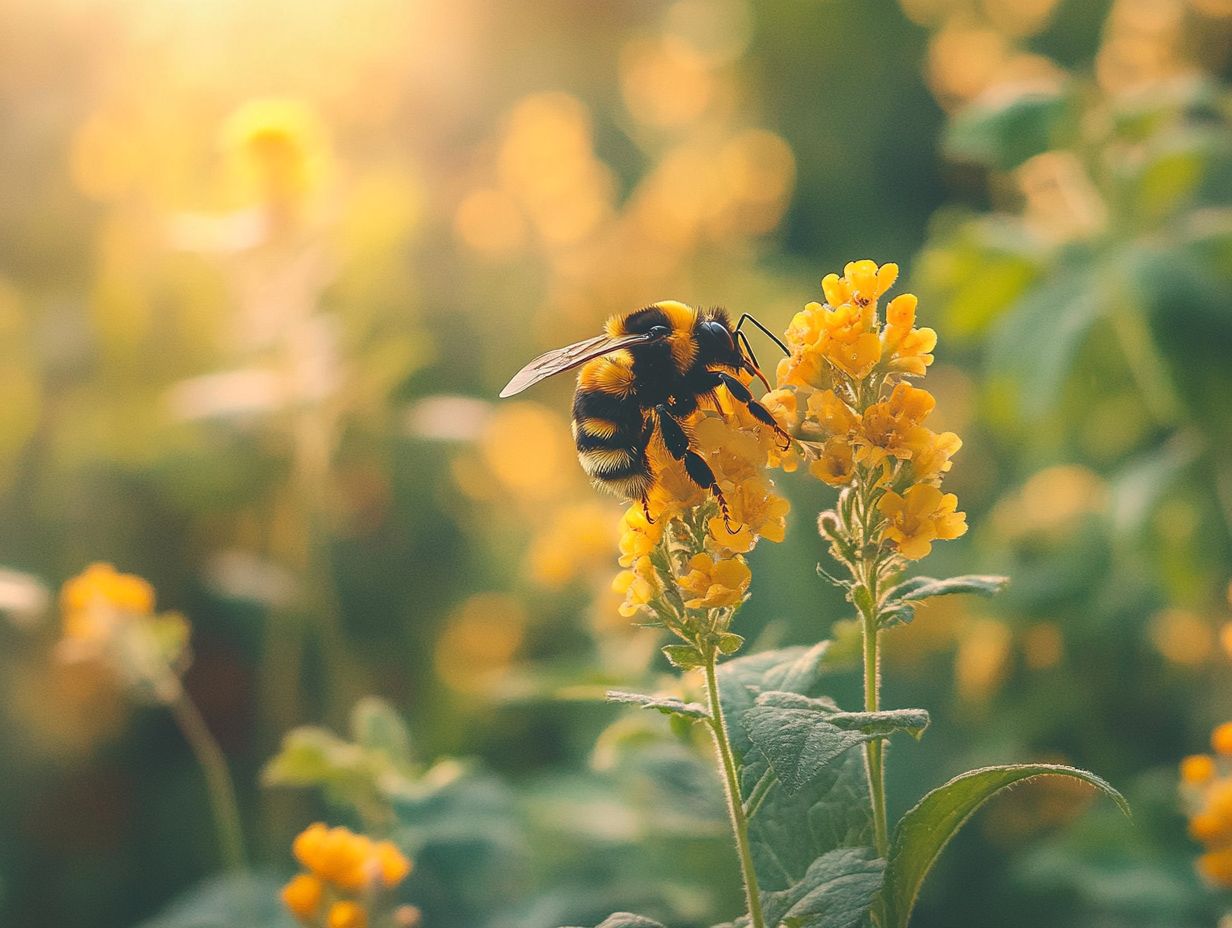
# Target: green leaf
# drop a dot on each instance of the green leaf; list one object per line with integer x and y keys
{"x": 924, "y": 587}
{"x": 836, "y": 891}
{"x": 730, "y": 642}
{"x": 799, "y": 736}
{"x": 376, "y": 726}
{"x": 683, "y": 656}
{"x": 224, "y": 902}
{"x": 925, "y": 830}
{"x": 1005, "y": 132}
{"x": 1035, "y": 343}
{"x": 668, "y": 705}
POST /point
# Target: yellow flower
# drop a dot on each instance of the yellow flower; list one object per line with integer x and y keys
{"x": 757, "y": 511}
{"x": 392, "y": 865}
{"x": 907, "y": 349}
{"x": 1197, "y": 768}
{"x": 302, "y": 896}
{"x": 576, "y": 543}
{"x": 832, "y": 415}
{"x": 347, "y": 860}
{"x": 639, "y": 585}
{"x": 888, "y": 428}
{"x": 930, "y": 452}
{"x": 279, "y": 145}
{"x": 835, "y": 463}
{"x": 715, "y": 583}
{"x": 920, "y": 517}
{"x": 90, "y": 600}
{"x": 1216, "y": 866}
{"x": 1221, "y": 738}
{"x": 346, "y": 914}
{"x": 638, "y": 535}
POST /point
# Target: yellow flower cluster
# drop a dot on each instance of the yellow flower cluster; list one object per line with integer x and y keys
{"x": 1206, "y": 786}
{"x": 704, "y": 565}
{"x": 343, "y": 870}
{"x": 843, "y": 390}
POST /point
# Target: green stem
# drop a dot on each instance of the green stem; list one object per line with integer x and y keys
{"x": 874, "y": 750}
{"x": 731, "y": 788}
{"x": 217, "y": 779}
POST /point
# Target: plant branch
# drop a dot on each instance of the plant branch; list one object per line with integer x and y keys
{"x": 217, "y": 779}
{"x": 731, "y": 789}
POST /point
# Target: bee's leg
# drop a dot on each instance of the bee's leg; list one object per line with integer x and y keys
{"x": 741, "y": 394}
{"x": 677, "y": 444}
{"x": 647, "y": 433}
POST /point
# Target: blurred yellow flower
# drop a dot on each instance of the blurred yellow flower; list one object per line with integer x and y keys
{"x": 302, "y": 896}
{"x": 93, "y": 600}
{"x": 347, "y": 861}
{"x": 1197, "y": 768}
{"x": 1221, "y": 738}
{"x": 278, "y": 146}
{"x": 346, "y": 914}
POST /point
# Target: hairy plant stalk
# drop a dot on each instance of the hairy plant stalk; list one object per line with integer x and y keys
{"x": 874, "y": 751}
{"x": 218, "y": 780}
{"x": 731, "y": 789}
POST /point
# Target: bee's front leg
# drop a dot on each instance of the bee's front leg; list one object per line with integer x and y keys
{"x": 741, "y": 394}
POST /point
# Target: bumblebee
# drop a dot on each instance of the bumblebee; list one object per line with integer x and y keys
{"x": 642, "y": 378}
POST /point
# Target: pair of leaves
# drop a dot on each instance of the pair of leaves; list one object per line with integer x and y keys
{"x": 792, "y": 830}
{"x": 899, "y": 605}
{"x": 799, "y": 736}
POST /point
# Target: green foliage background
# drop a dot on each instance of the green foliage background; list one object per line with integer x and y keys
{"x": 331, "y": 546}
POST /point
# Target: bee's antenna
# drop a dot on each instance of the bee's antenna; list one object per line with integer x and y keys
{"x": 745, "y": 317}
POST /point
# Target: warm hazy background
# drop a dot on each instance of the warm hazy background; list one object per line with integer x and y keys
{"x": 265, "y": 265}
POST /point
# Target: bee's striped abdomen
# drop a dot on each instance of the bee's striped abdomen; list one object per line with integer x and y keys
{"x": 608, "y": 432}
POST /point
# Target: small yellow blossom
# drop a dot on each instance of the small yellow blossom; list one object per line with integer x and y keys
{"x": 1221, "y": 739}
{"x": 831, "y": 415}
{"x": 920, "y": 517}
{"x": 756, "y": 510}
{"x": 639, "y": 585}
{"x": 99, "y": 592}
{"x": 930, "y": 452}
{"x": 887, "y": 429}
{"x": 715, "y": 584}
{"x": 347, "y": 860}
{"x": 835, "y": 463}
{"x": 1197, "y": 768}
{"x": 906, "y": 349}
{"x": 302, "y": 896}
{"x": 346, "y": 914}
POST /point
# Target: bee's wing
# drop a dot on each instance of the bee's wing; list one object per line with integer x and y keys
{"x": 559, "y": 360}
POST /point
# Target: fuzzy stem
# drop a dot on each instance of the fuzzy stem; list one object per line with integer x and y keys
{"x": 217, "y": 779}
{"x": 731, "y": 789}
{"x": 874, "y": 751}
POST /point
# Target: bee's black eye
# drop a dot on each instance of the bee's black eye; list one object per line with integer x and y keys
{"x": 658, "y": 331}
{"x": 717, "y": 336}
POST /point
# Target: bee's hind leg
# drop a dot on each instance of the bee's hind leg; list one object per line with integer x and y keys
{"x": 677, "y": 444}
